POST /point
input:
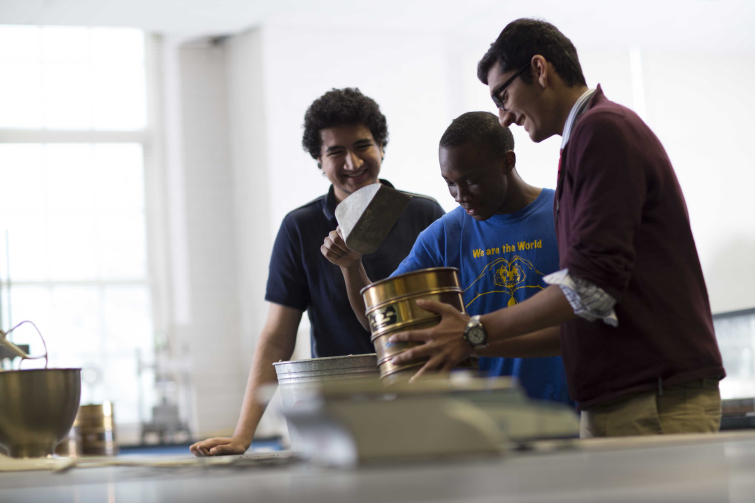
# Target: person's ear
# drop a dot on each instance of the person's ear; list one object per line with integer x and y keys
{"x": 509, "y": 161}
{"x": 319, "y": 162}
{"x": 540, "y": 70}
{"x": 382, "y": 152}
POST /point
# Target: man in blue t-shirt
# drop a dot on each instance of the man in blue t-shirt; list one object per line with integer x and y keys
{"x": 501, "y": 238}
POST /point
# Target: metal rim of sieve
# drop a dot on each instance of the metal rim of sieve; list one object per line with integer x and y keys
{"x": 419, "y": 271}
{"x": 320, "y": 366}
{"x": 436, "y": 291}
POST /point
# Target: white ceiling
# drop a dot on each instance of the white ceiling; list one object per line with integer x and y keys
{"x": 708, "y": 25}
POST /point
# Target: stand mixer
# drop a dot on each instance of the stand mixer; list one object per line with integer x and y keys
{"x": 37, "y": 406}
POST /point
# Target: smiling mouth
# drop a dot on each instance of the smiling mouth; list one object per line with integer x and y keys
{"x": 472, "y": 211}
{"x": 356, "y": 174}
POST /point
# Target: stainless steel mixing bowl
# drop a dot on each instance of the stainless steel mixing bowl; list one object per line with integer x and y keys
{"x": 37, "y": 409}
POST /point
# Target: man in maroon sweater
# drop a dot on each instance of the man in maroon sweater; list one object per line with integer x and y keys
{"x": 629, "y": 304}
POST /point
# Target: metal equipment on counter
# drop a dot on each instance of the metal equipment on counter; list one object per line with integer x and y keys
{"x": 37, "y": 406}
{"x": 11, "y": 350}
{"x": 95, "y": 426}
{"x": 351, "y": 423}
{"x": 166, "y": 423}
{"x": 92, "y": 434}
{"x": 10, "y": 354}
{"x": 37, "y": 409}
{"x": 391, "y": 307}
{"x": 298, "y": 379}
{"x": 169, "y": 368}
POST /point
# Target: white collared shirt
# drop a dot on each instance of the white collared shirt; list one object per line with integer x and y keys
{"x": 575, "y": 112}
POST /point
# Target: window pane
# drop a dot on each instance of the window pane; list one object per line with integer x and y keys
{"x": 77, "y": 323}
{"x": 72, "y": 247}
{"x": 118, "y": 97}
{"x": 67, "y": 96}
{"x": 65, "y": 44}
{"x": 22, "y": 174}
{"x": 76, "y": 211}
{"x": 32, "y": 303}
{"x": 27, "y": 246}
{"x": 119, "y": 176}
{"x": 20, "y": 95}
{"x": 92, "y": 386}
{"x": 72, "y": 78}
{"x": 20, "y": 43}
{"x": 70, "y": 177}
{"x": 128, "y": 320}
{"x": 121, "y": 386}
{"x": 122, "y": 246}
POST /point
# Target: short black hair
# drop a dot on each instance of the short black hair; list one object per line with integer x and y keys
{"x": 342, "y": 107}
{"x": 524, "y": 38}
{"x": 481, "y": 127}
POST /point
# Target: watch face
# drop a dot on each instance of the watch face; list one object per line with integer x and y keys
{"x": 476, "y": 336}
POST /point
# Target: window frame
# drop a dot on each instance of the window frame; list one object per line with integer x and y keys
{"x": 151, "y": 139}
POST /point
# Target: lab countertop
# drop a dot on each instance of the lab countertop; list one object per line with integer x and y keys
{"x": 688, "y": 468}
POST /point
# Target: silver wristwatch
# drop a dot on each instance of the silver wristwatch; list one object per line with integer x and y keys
{"x": 475, "y": 334}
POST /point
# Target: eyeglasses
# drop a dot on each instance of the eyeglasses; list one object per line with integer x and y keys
{"x": 497, "y": 95}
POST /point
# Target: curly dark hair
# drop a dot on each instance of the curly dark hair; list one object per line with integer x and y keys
{"x": 342, "y": 107}
{"x": 481, "y": 127}
{"x": 524, "y": 38}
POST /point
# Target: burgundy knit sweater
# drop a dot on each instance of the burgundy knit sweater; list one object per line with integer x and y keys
{"x": 622, "y": 223}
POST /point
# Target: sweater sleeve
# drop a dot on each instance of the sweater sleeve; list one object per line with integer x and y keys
{"x": 608, "y": 193}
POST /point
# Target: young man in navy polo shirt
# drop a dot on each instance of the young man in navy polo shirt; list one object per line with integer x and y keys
{"x": 501, "y": 238}
{"x": 347, "y": 134}
{"x": 636, "y": 333}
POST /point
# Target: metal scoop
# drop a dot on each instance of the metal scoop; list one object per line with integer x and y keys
{"x": 367, "y": 216}
{"x": 14, "y": 351}
{"x": 11, "y": 348}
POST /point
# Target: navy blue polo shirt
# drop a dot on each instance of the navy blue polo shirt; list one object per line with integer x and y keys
{"x": 302, "y": 278}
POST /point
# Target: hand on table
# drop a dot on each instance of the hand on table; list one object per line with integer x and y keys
{"x": 219, "y": 447}
{"x": 444, "y": 343}
{"x": 335, "y": 250}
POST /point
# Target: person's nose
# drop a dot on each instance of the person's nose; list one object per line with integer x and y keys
{"x": 353, "y": 161}
{"x": 505, "y": 118}
{"x": 462, "y": 195}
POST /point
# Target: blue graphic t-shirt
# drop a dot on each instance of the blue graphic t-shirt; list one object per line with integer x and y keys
{"x": 502, "y": 261}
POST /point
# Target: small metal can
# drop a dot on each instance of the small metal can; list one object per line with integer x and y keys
{"x": 391, "y": 307}
{"x": 95, "y": 425}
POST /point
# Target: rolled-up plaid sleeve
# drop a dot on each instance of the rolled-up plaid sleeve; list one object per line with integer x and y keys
{"x": 588, "y": 300}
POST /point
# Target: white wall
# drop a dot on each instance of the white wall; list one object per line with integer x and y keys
{"x": 252, "y": 201}
{"x": 404, "y": 72}
{"x": 251, "y": 180}
{"x": 209, "y": 324}
{"x": 701, "y": 107}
